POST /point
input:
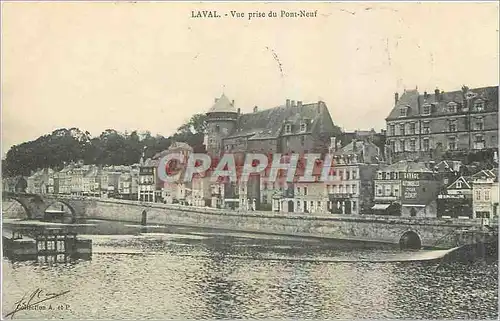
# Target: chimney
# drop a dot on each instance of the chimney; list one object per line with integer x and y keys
{"x": 239, "y": 111}
{"x": 436, "y": 93}
{"x": 299, "y": 103}
{"x": 293, "y": 103}
{"x": 425, "y": 95}
{"x": 288, "y": 103}
{"x": 255, "y": 109}
{"x": 232, "y": 102}
{"x": 396, "y": 98}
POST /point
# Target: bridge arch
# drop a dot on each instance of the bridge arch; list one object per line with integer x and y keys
{"x": 27, "y": 210}
{"x": 62, "y": 201}
{"x": 410, "y": 240}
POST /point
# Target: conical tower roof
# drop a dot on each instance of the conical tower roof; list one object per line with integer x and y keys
{"x": 222, "y": 105}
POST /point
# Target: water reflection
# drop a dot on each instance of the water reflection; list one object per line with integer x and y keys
{"x": 171, "y": 272}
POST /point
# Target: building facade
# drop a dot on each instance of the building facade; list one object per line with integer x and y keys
{"x": 407, "y": 189}
{"x": 485, "y": 194}
{"x": 427, "y": 126}
{"x": 290, "y": 128}
{"x": 356, "y": 165}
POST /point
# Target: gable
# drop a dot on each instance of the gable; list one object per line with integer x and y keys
{"x": 460, "y": 183}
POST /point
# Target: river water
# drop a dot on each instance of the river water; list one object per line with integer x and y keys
{"x": 190, "y": 273}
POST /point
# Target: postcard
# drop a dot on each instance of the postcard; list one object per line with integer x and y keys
{"x": 260, "y": 160}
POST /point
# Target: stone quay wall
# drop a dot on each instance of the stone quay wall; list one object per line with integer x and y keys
{"x": 433, "y": 232}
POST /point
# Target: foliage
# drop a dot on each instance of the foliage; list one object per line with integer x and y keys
{"x": 111, "y": 147}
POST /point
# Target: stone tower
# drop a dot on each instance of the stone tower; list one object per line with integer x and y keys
{"x": 221, "y": 122}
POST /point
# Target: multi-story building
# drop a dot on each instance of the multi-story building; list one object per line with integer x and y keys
{"x": 179, "y": 191}
{"x": 41, "y": 182}
{"x": 62, "y": 180}
{"x": 406, "y": 188}
{"x": 355, "y": 166}
{"x": 429, "y": 126}
{"x": 147, "y": 180}
{"x": 291, "y": 128}
{"x": 485, "y": 194}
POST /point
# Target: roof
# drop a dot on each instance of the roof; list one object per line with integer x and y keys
{"x": 349, "y": 148}
{"x": 410, "y": 100}
{"x": 486, "y": 174}
{"x": 268, "y": 123}
{"x": 448, "y": 166}
{"x": 222, "y": 105}
{"x": 407, "y": 166}
{"x": 466, "y": 180}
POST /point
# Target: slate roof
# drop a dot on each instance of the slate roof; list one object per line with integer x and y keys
{"x": 222, "y": 105}
{"x": 268, "y": 123}
{"x": 407, "y": 166}
{"x": 410, "y": 98}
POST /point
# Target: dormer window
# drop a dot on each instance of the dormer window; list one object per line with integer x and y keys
{"x": 303, "y": 127}
{"x": 288, "y": 128}
{"x": 404, "y": 111}
{"x": 426, "y": 109}
{"x": 452, "y": 107}
{"x": 479, "y": 105}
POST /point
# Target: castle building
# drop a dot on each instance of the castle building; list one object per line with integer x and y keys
{"x": 294, "y": 127}
{"x": 428, "y": 126}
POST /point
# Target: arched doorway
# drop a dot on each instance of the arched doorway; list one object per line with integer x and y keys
{"x": 410, "y": 241}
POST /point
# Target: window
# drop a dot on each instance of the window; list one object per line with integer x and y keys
{"x": 412, "y": 145}
{"x": 479, "y": 105}
{"x": 298, "y": 190}
{"x": 319, "y": 204}
{"x": 353, "y": 189}
{"x": 392, "y": 130}
{"x": 402, "y": 129}
{"x": 478, "y": 195}
{"x": 354, "y": 174}
{"x": 393, "y": 145}
{"x": 380, "y": 191}
{"x": 452, "y": 125}
{"x": 403, "y": 111}
{"x": 425, "y": 144}
{"x": 288, "y": 129}
{"x": 459, "y": 184}
{"x": 478, "y": 125}
{"x": 305, "y": 190}
{"x": 303, "y": 127}
{"x": 347, "y": 174}
{"x": 396, "y": 191}
{"x": 452, "y": 107}
{"x": 412, "y": 128}
{"x": 486, "y": 195}
{"x": 426, "y": 109}
{"x": 452, "y": 143}
{"x": 354, "y": 205}
{"x": 341, "y": 174}
{"x": 479, "y": 142}
{"x": 426, "y": 127}
{"x": 388, "y": 190}
{"x": 402, "y": 145}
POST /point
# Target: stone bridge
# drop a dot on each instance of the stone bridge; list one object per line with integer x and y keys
{"x": 35, "y": 205}
{"x": 416, "y": 232}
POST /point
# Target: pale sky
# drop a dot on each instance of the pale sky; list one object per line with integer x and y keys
{"x": 150, "y": 66}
